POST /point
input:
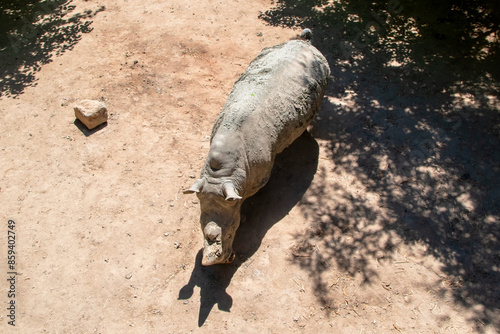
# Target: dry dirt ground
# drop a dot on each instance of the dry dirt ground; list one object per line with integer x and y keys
{"x": 383, "y": 218}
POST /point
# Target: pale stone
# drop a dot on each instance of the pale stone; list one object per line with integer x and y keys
{"x": 92, "y": 113}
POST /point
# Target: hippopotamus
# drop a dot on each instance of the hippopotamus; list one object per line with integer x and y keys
{"x": 270, "y": 105}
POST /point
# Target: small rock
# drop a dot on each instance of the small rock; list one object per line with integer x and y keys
{"x": 177, "y": 245}
{"x": 296, "y": 318}
{"x": 128, "y": 276}
{"x": 259, "y": 34}
{"x": 92, "y": 113}
{"x": 166, "y": 234}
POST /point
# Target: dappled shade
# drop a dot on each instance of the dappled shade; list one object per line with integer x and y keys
{"x": 411, "y": 124}
{"x": 31, "y": 34}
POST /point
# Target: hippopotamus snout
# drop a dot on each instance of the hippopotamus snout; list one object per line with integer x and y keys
{"x": 214, "y": 249}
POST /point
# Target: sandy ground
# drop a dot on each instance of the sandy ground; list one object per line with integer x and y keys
{"x": 382, "y": 219}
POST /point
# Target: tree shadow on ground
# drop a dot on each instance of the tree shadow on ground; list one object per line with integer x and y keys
{"x": 292, "y": 174}
{"x": 415, "y": 120}
{"x": 31, "y": 33}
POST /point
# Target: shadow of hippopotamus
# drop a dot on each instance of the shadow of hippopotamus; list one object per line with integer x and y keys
{"x": 292, "y": 174}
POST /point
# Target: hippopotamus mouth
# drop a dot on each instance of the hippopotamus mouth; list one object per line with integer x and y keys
{"x": 214, "y": 254}
{"x": 214, "y": 250}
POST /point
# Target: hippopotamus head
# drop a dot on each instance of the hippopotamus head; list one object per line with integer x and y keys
{"x": 220, "y": 207}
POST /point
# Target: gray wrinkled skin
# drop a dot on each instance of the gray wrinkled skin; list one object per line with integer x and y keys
{"x": 270, "y": 106}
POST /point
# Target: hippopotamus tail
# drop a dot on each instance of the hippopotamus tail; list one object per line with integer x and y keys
{"x": 306, "y": 35}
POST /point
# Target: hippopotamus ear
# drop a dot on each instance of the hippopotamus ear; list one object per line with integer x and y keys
{"x": 230, "y": 191}
{"x": 195, "y": 188}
